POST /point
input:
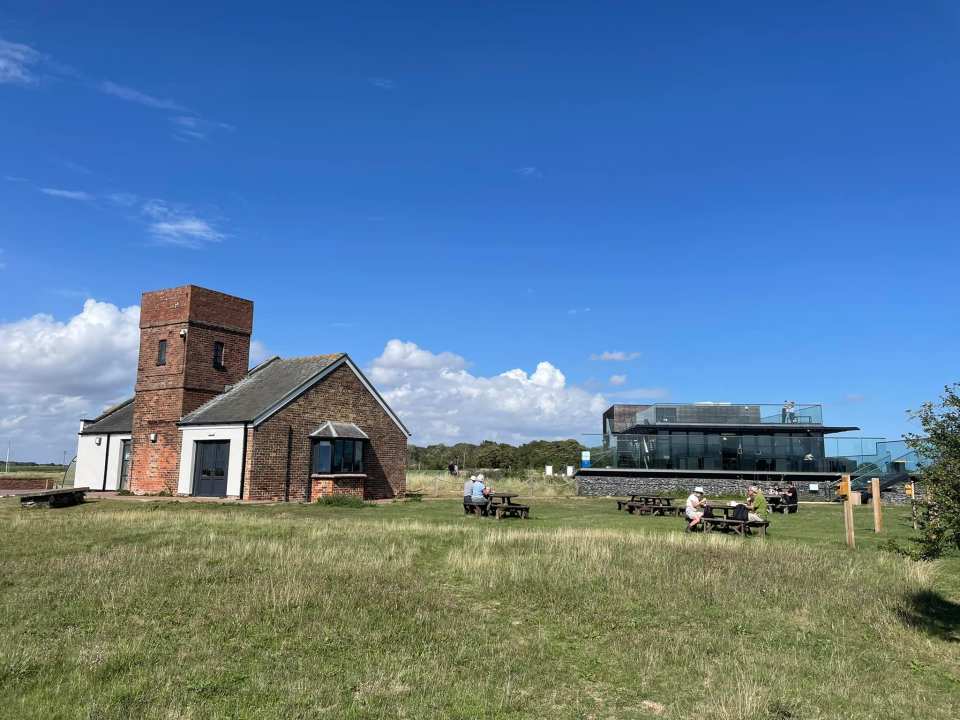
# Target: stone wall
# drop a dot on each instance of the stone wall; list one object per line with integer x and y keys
{"x": 615, "y": 485}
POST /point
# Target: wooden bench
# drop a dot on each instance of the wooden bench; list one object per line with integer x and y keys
{"x": 470, "y": 508}
{"x": 645, "y": 508}
{"x": 59, "y": 497}
{"x": 512, "y": 510}
{"x": 784, "y": 508}
{"x": 740, "y": 527}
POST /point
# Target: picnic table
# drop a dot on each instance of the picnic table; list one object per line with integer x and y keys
{"x": 502, "y": 505}
{"x": 710, "y": 521}
{"x": 498, "y": 505}
{"x": 58, "y": 497}
{"x": 649, "y": 505}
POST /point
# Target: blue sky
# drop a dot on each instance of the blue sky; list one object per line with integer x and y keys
{"x": 751, "y": 201}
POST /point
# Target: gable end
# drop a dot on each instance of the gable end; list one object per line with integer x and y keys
{"x": 319, "y": 377}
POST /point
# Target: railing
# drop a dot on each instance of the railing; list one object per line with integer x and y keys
{"x": 730, "y": 414}
{"x": 893, "y": 462}
{"x": 752, "y": 453}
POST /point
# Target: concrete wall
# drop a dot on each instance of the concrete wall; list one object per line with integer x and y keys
{"x": 188, "y": 450}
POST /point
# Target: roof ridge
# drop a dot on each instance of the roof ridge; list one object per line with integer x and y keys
{"x": 111, "y": 410}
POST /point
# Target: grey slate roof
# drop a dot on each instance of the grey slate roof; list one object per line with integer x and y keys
{"x": 261, "y": 389}
{"x": 118, "y": 419}
{"x": 333, "y": 429}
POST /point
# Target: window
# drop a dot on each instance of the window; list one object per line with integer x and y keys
{"x": 218, "y": 355}
{"x": 162, "y": 352}
{"x": 337, "y": 456}
{"x": 321, "y": 457}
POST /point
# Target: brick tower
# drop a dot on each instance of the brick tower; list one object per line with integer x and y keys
{"x": 193, "y": 343}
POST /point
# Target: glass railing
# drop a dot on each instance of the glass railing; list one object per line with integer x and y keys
{"x": 715, "y": 451}
{"x": 730, "y": 414}
{"x": 894, "y": 460}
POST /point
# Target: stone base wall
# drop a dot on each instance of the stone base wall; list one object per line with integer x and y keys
{"x": 327, "y": 485}
{"x": 618, "y": 486}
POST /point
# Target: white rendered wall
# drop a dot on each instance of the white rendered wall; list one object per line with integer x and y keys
{"x": 90, "y": 458}
{"x": 115, "y": 461}
{"x": 190, "y": 436}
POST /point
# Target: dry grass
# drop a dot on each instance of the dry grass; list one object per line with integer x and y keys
{"x": 436, "y": 483}
{"x": 167, "y": 610}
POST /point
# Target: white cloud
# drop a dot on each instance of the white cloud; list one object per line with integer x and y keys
{"x": 17, "y": 62}
{"x": 577, "y": 311}
{"x": 618, "y": 379}
{"x": 67, "y": 194}
{"x": 128, "y": 93}
{"x": 383, "y": 83}
{"x": 52, "y": 373}
{"x": 615, "y": 356}
{"x": 441, "y": 401}
{"x": 529, "y": 171}
{"x": 178, "y": 225}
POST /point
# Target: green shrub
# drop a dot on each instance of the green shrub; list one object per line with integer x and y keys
{"x": 350, "y": 501}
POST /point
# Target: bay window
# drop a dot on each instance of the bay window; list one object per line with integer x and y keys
{"x": 331, "y": 457}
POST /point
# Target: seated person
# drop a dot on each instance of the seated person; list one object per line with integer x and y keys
{"x": 478, "y": 491}
{"x": 694, "y": 510}
{"x": 468, "y": 489}
{"x": 790, "y": 498}
{"x": 486, "y": 488}
{"x": 756, "y": 504}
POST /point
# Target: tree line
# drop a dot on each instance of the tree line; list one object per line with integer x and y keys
{"x": 492, "y": 455}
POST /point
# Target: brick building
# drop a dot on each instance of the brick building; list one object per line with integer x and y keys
{"x": 200, "y": 423}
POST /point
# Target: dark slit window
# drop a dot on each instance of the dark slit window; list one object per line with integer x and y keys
{"x": 218, "y": 355}
{"x": 162, "y": 352}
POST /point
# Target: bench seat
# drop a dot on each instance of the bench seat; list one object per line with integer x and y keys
{"x": 60, "y": 497}
{"x": 520, "y": 511}
{"x": 740, "y": 527}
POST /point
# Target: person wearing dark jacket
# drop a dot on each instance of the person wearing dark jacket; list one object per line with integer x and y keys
{"x": 790, "y": 498}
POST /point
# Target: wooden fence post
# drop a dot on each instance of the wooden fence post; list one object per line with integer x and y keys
{"x": 877, "y": 512}
{"x": 848, "y": 512}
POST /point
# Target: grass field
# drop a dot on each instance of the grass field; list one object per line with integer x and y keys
{"x": 130, "y": 609}
{"x": 438, "y": 483}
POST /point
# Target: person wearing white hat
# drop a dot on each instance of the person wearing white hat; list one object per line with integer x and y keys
{"x": 694, "y": 510}
{"x": 468, "y": 489}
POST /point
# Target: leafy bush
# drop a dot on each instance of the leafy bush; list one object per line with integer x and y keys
{"x": 348, "y": 501}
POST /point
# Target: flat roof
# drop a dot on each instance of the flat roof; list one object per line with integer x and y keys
{"x": 647, "y": 429}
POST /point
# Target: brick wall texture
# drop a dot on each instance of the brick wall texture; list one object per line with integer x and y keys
{"x": 165, "y": 393}
{"x": 188, "y": 379}
{"x": 342, "y": 397}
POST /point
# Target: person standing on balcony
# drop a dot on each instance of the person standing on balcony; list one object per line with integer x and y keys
{"x": 787, "y": 414}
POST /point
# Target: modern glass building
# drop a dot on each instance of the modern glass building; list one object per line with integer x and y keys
{"x": 753, "y": 441}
